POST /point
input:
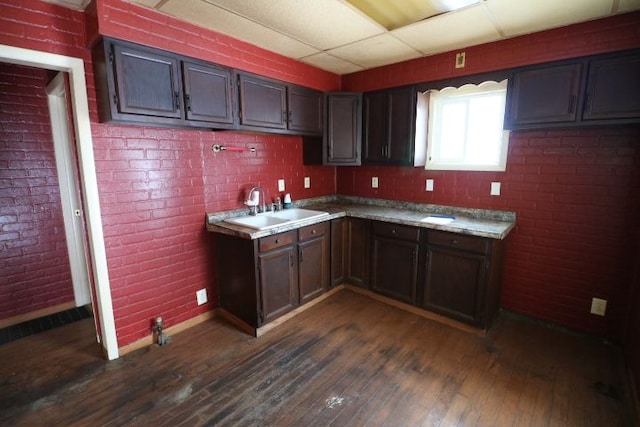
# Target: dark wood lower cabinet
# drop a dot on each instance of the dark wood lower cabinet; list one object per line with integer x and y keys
{"x": 261, "y": 280}
{"x": 462, "y": 277}
{"x": 358, "y": 252}
{"x": 277, "y": 282}
{"x": 394, "y": 261}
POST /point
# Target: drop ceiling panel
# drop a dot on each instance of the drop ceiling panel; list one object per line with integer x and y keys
{"x": 467, "y": 27}
{"x": 331, "y": 63}
{"x": 207, "y": 15}
{"x": 323, "y": 24}
{"x": 522, "y": 17}
{"x": 375, "y": 51}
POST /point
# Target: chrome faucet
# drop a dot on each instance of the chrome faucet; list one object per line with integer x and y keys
{"x": 253, "y": 207}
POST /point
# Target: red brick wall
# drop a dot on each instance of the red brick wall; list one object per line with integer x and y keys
{"x": 157, "y": 184}
{"x": 33, "y": 252}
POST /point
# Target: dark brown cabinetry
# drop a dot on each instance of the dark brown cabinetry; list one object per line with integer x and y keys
{"x": 597, "y": 90}
{"x": 389, "y": 127}
{"x": 262, "y": 102}
{"x": 208, "y": 93}
{"x": 277, "y": 264}
{"x": 613, "y": 88}
{"x": 342, "y": 135}
{"x": 313, "y": 261}
{"x": 140, "y": 85}
{"x": 350, "y": 252}
{"x": 263, "y": 279}
{"x": 395, "y": 253}
{"x": 270, "y": 104}
{"x": 546, "y": 94}
{"x": 462, "y": 277}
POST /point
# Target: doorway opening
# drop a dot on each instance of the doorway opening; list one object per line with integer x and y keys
{"x": 88, "y": 202}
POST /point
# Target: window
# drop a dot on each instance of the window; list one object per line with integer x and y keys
{"x": 465, "y": 128}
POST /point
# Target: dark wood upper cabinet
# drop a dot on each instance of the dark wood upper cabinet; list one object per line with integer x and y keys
{"x": 389, "y": 123}
{"x": 262, "y": 102}
{"x": 208, "y": 93}
{"x": 343, "y": 131}
{"x": 547, "y": 94}
{"x": 613, "y": 88}
{"x": 147, "y": 82}
{"x": 305, "y": 110}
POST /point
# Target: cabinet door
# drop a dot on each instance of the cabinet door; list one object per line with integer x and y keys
{"x": 343, "y": 129}
{"x": 375, "y": 125}
{"x": 357, "y": 247}
{"x": 394, "y": 268}
{"x": 305, "y": 110}
{"x": 278, "y": 282}
{"x": 339, "y": 251}
{"x": 147, "y": 82}
{"x": 613, "y": 89}
{"x": 262, "y": 102}
{"x": 544, "y": 95}
{"x": 208, "y": 94}
{"x": 455, "y": 282}
{"x": 401, "y": 112}
{"x": 313, "y": 264}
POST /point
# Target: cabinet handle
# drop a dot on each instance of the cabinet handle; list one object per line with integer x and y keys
{"x": 291, "y": 259}
{"x": 313, "y": 231}
{"x": 177, "y": 100}
{"x": 277, "y": 240}
{"x": 455, "y": 241}
{"x": 284, "y": 116}
{"x": 289, "y": 116}
{"x": 188, "y": 97}
{"x": 300, "y": 256}
{"x": 588, "y": 103}
{"x": 393, "y": 231}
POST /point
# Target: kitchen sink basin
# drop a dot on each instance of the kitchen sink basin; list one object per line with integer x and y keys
{"x": 265, "y": 221}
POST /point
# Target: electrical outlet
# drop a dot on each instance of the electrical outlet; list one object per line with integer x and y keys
{"x": 281, "y": 185}
{"x": 429, "y": 186}
{"x": 495, "y": 189}
{"x": 201, "y": 296}
{"x": 598, "y": 306}
{"x": 307, "y": 182}
{"x": 460, "y": 57}
{"x": 374, "y": 182}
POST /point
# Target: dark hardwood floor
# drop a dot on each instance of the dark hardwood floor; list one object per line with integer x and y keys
{"x": 348, "y": 361}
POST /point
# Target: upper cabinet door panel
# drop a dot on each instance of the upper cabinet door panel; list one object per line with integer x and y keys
{"x": 262, "y": 102}
{"x": 148, "y": 82}
{"x": 545, "y": 95}
{"x": 208, "y": 93}
{"x": 343, "y": 129}
{"x": 613, "y": 88}
{"x": 401, "y": 112}
{"x": 375, "y": 127}
{"x": 305, "y": 110}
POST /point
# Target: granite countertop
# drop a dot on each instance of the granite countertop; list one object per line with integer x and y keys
{"x": 476, "y": 222}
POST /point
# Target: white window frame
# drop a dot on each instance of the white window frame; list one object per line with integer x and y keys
{"x": 433, "y": 162}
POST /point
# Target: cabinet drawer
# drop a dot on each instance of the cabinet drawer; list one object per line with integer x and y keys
{"x": 312, "y": 231}
{"x": 458, "y": 241}
{"x": 276, "y": 241}
{"x": 396, "y": 231}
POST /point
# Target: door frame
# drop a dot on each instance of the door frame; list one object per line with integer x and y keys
{"x": 89, "y": 184}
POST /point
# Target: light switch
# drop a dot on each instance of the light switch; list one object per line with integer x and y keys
{"x": 307, "y": 182}
{"x": 495, "y": 189}
{"x": 281, "y": 185}
{"x": 429, "y": 185}
{"x": 374, "y": 182}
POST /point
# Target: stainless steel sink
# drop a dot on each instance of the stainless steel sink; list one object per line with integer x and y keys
{"x": 269, "y": 220}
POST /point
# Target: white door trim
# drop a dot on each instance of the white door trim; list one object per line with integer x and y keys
{"x": 71, "y": 208}
{"x": 87, "y": 170}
